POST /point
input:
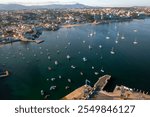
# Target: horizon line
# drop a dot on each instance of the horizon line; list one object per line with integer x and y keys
{"x": 65, "y": 3}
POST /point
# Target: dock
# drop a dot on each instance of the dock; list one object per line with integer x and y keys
{"x": 97, "y": 92}
{"x": 85, "y": 92}
{"x": 102, "y": 82}
{"x": 4, "y": 74}
{"x": 29, "y": 40}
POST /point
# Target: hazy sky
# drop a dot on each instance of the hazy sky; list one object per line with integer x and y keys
{"x": 87, "y": 2}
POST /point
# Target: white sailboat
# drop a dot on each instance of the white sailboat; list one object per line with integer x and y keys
{"x": 100, "y": 46}
{"x": 52, "y": 79}
{"x": 52, "y": 88}
{"x": 122, "y": 37}
{"x": 68, "y": 56}
{"x": 73, "y": 67}
{"x": 107, "y": 37}
{"x": 96, "y": 73}
{"x": 49, "y": 68}
{"x": 112, "y": 51}
{"x": 84, "y": 59}
{"x": 135, "y": 42}
{"x": 90, "y": 47}
{"x": 102, "y": 70}
{"x": 66, "y": 87}
{"x": 56, "y": 62}
{"x": 49, "y": 57}
{"x": 69, "y": 80}
{"x": 81, "y": 73}
{"x": 59, "y": 76}
{"x": 83, "y": 41}
{"x": 42, "y": 92}
{"x": 116, "y": 41}
{"x": 93, "y": 67}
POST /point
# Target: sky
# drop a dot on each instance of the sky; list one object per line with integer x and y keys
{"x": 103, "y": 3}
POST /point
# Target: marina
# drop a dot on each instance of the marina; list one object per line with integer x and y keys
{"x": 64, "y": 61}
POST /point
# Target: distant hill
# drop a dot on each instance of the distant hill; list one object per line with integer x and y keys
{"x": 11, "y": 7}
{"x": 52, "y": 6}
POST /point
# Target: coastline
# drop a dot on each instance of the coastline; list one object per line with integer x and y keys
{"x": 71, "y": 26}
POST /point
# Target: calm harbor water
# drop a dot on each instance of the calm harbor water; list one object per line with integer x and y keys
{"x": 120, "y": 49}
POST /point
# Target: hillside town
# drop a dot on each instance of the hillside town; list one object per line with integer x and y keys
{"x": 27, "y": 25}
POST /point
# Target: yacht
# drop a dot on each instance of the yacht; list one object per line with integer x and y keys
{"x": 93, "y": 67}
{"x": 118, "y": 34}
{"x": 49, "y": 68}
{"x": 68, "y": 57}
{"x": 69, "y": 43}
{"x": 49, "y": 57}
{"x": 69, "y": 80}
{"x": 66, "y": 87}
{"x": 112, "y": 51}
{"x": 81, "y": 73}
{"x": 107, "y": 37}
{"x": 135, "y": 42}
{"x": 90, "y": 47}
{"x": 83, "y": 41}
{"x": 122, "y": 37}
{"x": 73, "y": 67}
{"x": 52, "y": 88}
{"x": 135, "y": 30}
{"x": 84, "y": 59}
{"x": 42, "y": 92}
{"x": 47, "y": 79}
{"x": 102, "y": 70}
{"x": 96, "y": 73}
{"x": 58, "y": 51}
{"x": 56, "y": 62}
{"x": 100, "y": 46}
{"x": 116, "y": 41}
{"x": 52, "y": 79}
{"x": 91, "y": 34}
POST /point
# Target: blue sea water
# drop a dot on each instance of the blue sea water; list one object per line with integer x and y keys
{"x": 28, "y": 63}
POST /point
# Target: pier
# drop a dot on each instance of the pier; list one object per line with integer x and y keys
{"x": 29, "y": 40}
{"x": 102, "y": 82}
{"x": 85, "y": 92}
{"x": 97, "y": 92}
{"x": 4, "y": 74}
